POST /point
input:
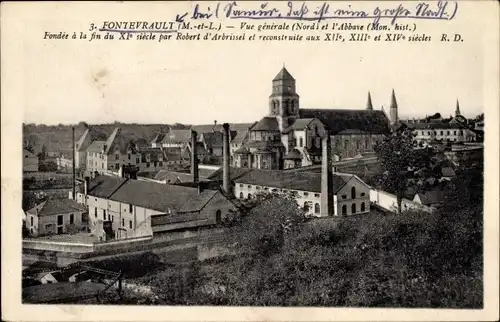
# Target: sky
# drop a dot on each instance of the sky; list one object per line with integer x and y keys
{"x": 199, "y": 82}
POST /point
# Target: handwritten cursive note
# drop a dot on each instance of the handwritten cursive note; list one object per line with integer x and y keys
{"x": 437, "y": 10}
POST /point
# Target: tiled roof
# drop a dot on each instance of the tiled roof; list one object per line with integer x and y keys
{"x": 158, "y": 138}
{"x": 154, "y": 154}
{"x": 56, "y": 206}
{"x": 293, "y": 155}
{"x": 95, "y": 135}
{"x": 172, "y": 176}
{"x": 177, "y": 136}
{"x": 242, "y": 150}
{"x": 104, "y": 186}
{"x": 304, "y": 181}
{"x": 266, "y": 124}
{"x": 263, "y": 144}
{"x": 431, "y": 197}
{"x": 208, "y": 128}
{"x": 338, "y": 120}
{"x": 116, "y": 141}
{"x": 436, "y": 125}
{"x": 28, "y": 153}
{"x": 162, "y": 197}
{"x": 299, "y": 124}
{"x": 240, "y": 137}
{"x": 283, "y": 75}
{"x": 213, "y": 139}
{"x": 96, "y": 146}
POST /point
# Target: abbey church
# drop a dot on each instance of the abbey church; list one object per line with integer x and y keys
{"x": 290, "y": 136}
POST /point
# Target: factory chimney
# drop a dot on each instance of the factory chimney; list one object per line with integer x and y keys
{"x": 194, "y": 156}
{"x": 74, "y": 170}
{"x": 326, "y": 178}
{"x": 225, "y": 153}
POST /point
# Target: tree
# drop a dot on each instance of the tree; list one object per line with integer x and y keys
{"x": 263, "y": 229}
{"x": 404, "y": 166}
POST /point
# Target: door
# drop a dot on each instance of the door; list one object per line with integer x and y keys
{"x": 60, "y": 229}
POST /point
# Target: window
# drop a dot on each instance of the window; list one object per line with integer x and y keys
{"x": 241, "y": 185}
{"x": 344, "y": 210}
{"x": 306, "y": 194}
{"x": 129, "y": 156}
{"x": 301, "y": 142}
{"x": 123, "y": 222}
{"x": 441, "y": 132}
{"x": 104, "y": 214}
{"x": 362, "y": 206}
{"x": 218, "y": 215}
{"x": 71, "y": 219}
{"x": 346, "y": 144}
{"x": 344, "y": 196}
{"x": 130, "y": 208}
{"x": 130, "y": 224}
{"x": 461, "y": 132}
{"x": 362, "y": 194}
{"x": 429, "y": 133}
{"x": 112, "y": 218}
{"x": 31, "y": 221}
{"x": 316, "y": 208}
{"x": 117, "y": 157}
{"x": 60, "y": 220}
{"x": 353, "y": 192}
{"x": 454, "y": 132}
{"x": 357, "y": 145}
{"x": 353, "y": 208}
{"x": 447, "y": 132}
{"x": 306, "y": 206}
{"x": 147, "y": 164}
{"x": 249, "y": 187}
{"x": 117, "y": 165}
{"x": 160, "y": 164}
{"x": 316, "y": 195}
{"x": 95, "y": 212}
{"x": 241, "y": 195}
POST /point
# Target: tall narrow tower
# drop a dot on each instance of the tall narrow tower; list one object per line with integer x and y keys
{"x": 284, "y": 100}
{"x": 369, "y": 105}
{"x": 393, "y": 111}
{"x": 457, "y": 109}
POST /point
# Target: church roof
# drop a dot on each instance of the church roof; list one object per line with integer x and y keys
{"x": 266, "y": 124}
{"x": 293, "y": 155}
{"x": 342, "y": 119}
{"x": 299, "y": 124}
{"x": 303, "y": 181}
{"x": 283, "y": 75}
{"x": 242, "y": 150}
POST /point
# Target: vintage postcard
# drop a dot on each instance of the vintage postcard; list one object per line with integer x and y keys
{"x": 250, "y": 161}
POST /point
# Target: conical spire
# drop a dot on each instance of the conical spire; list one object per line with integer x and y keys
{"x": 369, "y": 105}
{"x": 393, "y": 110}
{"x": 283, "y": 75}
{"x": 457, "y": 109}
{"x": 394, "y": 103}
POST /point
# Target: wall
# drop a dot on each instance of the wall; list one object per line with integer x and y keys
{"x": 388, "y": 201}
{"x": 344, "y": 197}
{"x": 242, "y": 190}
{"x": 40, "y": 222}
{"x": 356, "y": 143}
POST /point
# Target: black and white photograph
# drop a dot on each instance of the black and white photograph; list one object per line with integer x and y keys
{"x": 250, "y": 154}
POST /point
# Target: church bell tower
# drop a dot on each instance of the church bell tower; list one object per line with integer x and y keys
{"x": 284, "y": 100}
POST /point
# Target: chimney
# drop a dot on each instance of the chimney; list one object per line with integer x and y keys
{"x": 86, "y": 185}
{"x": 225, "y": 153}
{"x": 215, "y": 125}
{"x": 326, "y": 178}
{"x": 194, "y": 157}
{"x": 74, "y": 170}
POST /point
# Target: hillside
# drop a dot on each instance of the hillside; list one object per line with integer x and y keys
{"x": 58, "y": 138}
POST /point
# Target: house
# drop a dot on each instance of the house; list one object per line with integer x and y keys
{"x": 156, "y": 141}
{"x": 350, "y": 194}
{"x": 123, "y": 208}
{"x": 429, "y": 198}
{"x": 90, "y": 135}
{"x": 30, "y": 161}
{"x": 151, "y": 159}
{"x": 110, "y": 155}
{"x": 56, "y": 216}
